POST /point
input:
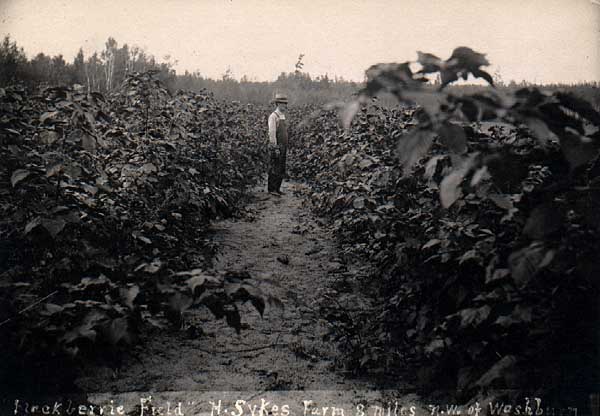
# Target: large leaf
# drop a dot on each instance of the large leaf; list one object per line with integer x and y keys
{"x": 18, "y": 176}
{"x": 412, "y": 147}
{"x": 180, "y": 302}
{"x": 247, "y": 292}
{"x": 467, "y": 58}
{"x": 391, "y": 77}
{"x": 527, "y": 262}
{"x": 48, "y": 115}
{"x": 544, "y": 220}
{"x": 579, "y": 105}
{"x": 502, "y": 374}
{"x": 232, "y": 316}
{"x": 88, "y": 142}
{"x": 214, "y": 303}
{"x": 540, "y": 130}
{"x": 578, "y": 150}
{"x": 129, "y": 295}
{"x": 54, "y": 169}
{"x": 118, "y": 330}
{"x": 507, "y": 171}
{"x": 450, "y": 189}
{"x": 453, "y": 137}
{"x": 474, "y": 317}
{"x": 348, "y": 112}
{"x": 53, "y": 226}
{"x": 32, "y": 224}
{"x": 195, "y": 282}
{"x": 462, "y": 62}
{"x": 429, "y": 62}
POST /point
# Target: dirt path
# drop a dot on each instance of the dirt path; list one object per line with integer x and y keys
{"x": 284, "y": 350}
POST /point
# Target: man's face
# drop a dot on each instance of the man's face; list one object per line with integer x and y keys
{"x": 282, "y": 106}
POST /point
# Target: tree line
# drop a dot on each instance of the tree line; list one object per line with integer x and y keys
{"x": 106, "y": 70}
{"x": 98, "y": 72}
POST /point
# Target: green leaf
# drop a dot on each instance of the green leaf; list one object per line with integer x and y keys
{"x": 54, "y": 226}
{"x": 474, "y": 317}
{"x": 84, "y": 330}
{"x": 255, "y": 295}
{"x": 435, "y": 347}
{"x": 453, "y": 137}
{"x": 472, "y": 254}
{"x": 348, "y": 113}
{"x": 54, "y": 169}
{"x": 462, "y": 62}
{"x": 195, "y": 282}
{"x": 578, "y": 150}
{"x": 117, "y": 330}
{"x": 48, "y": 115}
{"x": 578, "y": 105}
{"x": 467, "y": 58}
{"x": 180, "y": 302}
{"x": 527, "y": 262}
{"x": 73, "y": 170}
{"x": 429, "y": 62}
{"x": 18, "y": 176}
{"x": 388, "y": 76}
{"x": 88, "y": 142}
{"x": 540, "y": 130}
{"x": 544, "y": 220}
{"x": 129, "y": 294}
{"x": 48, "y": 136}
{"x": 233, "y": 319}
{"x": 520, "y": 315}
{"x": 507, "y": 170}
{"x": 431, "y": 243}
{"x": 450, "y": 189}
{"x": 214, "y": 303}
{"x": 480, "y": 175}
{"x": 412, "y": 147}
{"x": 479, "y": 73}
{"x": 52, "y": 308}
{"x": 447, "y": 76}
{"x": 502, "y": 374}
{"x": 32, "y": 224}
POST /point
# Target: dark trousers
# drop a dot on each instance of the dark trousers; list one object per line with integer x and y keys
{"x": 276, "y": 169}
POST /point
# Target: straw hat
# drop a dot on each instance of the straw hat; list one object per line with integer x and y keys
{"x": 280, "y": 98}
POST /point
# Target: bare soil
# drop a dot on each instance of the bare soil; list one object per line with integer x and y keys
{"x": 277, "y": 240}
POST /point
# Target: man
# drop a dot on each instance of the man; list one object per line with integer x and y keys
{"x": 278, "y": 143}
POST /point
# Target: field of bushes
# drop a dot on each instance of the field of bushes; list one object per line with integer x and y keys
{"x": 105, "y": 200}
{"x": 478, "y": 210}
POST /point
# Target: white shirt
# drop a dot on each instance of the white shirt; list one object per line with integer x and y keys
{"x": 273, "y": 121}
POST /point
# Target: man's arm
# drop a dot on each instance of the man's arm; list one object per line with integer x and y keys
{"x": 273, "y": 128}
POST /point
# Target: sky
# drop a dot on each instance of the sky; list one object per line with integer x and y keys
{"x": 542, "y": 41}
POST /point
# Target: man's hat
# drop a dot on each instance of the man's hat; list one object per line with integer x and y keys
{"x": 280, "y": 98}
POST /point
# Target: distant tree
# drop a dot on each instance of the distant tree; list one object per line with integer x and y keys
{"x": 12, "y": 60}
{"x": 228, "y": 75}
{"x": 79, "y": 67}
{"x": 59, "y": 73}
{"x": 299, "y": 64}
{"x": 108, "y": 61}
{"x": 39, "y": 68}
{"x": 323, "y": 81}
{"x": 93, "y": 68}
